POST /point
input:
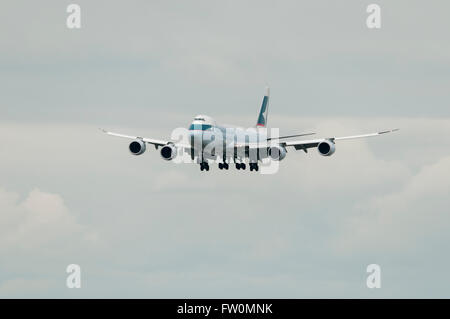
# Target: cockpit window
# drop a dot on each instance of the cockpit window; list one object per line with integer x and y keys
{"x": 199, "y": 119}
{"x": 200, "y": 127}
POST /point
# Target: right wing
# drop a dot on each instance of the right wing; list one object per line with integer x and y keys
{"x": 304, "y": 145}
{"x": 145, "y": 139}
{"x": 155, "y": 142}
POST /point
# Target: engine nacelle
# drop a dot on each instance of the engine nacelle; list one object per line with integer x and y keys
{"x": 137, "y": 147}
{"x": 277, "y": 153}
{"x": 326, "y": 148}
{"x": 168, "y": 152}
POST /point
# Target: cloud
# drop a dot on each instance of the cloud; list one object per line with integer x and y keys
{"x": 141, "y": 217}
{"x": 39, "y": 237}
{"x": 143, "y": 68}
{"x": 409, "y": 219}
{"x": 39, "y": 222}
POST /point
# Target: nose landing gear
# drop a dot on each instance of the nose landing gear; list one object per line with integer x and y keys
{"x": 204, "y": 166}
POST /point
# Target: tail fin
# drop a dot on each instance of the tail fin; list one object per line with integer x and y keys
{"x": 262, "y": 118}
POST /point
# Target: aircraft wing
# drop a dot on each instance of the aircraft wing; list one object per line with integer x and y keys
{"x": 265, "y": 143}
{"x": 145, "y": 139}
{"x": 304, "y": 145}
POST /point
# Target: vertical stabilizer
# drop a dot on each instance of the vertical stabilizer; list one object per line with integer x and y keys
{"x": 262, "y": 118}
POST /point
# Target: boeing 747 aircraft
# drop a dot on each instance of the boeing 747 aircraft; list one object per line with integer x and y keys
{"x": 205, "y": 140}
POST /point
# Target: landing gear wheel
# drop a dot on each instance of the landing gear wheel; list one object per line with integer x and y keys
{"x": 238, "y": 166}
{"x": 221, "y": 166}
{"x": 226, "y": 166}
{"x": 243, "y": 166}
{"x": 204, "y": 166}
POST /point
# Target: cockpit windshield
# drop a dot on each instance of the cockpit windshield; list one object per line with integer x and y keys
{"x": 200, "y": 127}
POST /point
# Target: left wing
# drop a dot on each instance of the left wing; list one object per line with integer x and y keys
{"x": 288, "y": 136}
{"x": 304, "y": 145}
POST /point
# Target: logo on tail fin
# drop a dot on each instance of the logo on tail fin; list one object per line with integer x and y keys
{"x": 262, "y": 118}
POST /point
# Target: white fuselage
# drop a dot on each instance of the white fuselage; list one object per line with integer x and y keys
{"x": 216, "y": 141}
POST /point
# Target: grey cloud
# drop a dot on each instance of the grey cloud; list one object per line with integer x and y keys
{"x": 142, "y": 227}
{"x": 414, "y": 217}
{"x": 159, "y": 226}
{"x": 137, "y": 56}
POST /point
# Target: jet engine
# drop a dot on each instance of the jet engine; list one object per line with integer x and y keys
{"x": 137, "y": 147}
{"x": 326, "y": 148}
{"x": 168, "y": 152}
{"x": 277, "y": 153}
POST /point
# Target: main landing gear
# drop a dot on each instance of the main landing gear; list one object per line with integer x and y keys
{"x": 204, "y": 166}
{"x": 223, "y": 166}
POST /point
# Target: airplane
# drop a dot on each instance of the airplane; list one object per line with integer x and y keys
{"x": 206, "y": 140}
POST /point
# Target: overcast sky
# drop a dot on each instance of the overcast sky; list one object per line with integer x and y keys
{"x": 142, "y": 227}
